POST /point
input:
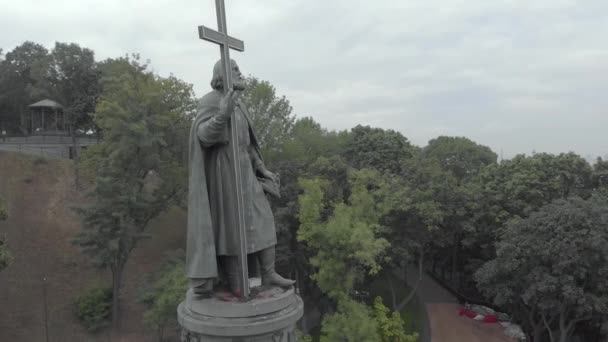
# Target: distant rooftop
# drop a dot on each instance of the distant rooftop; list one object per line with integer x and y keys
{"x": 46, "y": 103}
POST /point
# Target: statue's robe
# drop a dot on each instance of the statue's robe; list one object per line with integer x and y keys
{"x": 212, "y": 228}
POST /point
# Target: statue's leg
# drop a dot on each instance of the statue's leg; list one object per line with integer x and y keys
{"x": 230, "y": 265}
{"x": 269, "y": 276}
{"x": 202, "y": 286}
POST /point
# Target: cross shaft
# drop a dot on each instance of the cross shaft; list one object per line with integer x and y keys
{"x": 226, "y": 43}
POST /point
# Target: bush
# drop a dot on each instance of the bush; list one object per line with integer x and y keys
{"x": 169, "y": 286}
{"x": 5, "y": 255}
{"x": 93, "y": 308}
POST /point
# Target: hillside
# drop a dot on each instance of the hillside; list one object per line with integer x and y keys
{"x": 39, "y": 230}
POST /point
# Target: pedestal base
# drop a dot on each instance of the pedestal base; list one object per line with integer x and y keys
{"x": 270, "y": 316}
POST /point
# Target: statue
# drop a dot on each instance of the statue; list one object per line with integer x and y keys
{"x": 213, "y": 242}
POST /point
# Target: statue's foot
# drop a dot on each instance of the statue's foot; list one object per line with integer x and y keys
{"x": 274, "y": 279}
{"x": 203, "y": 288}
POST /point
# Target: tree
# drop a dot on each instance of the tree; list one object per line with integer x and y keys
{"x": 518, "y": 187}
{"x": 600, "y": 174}
{"x": 24, "y": 79}
{"x": 309, "y": 141}
{"x": 271, "y": 115}
{"x": 460, "y": 156}
{"x": 390, "y": 327}
{"x": 346, "y": 243}
{"x": 138, "y": 167}
{"x": 76, "y": 83}
{"x": 347, "y": 247}
{"x": 377, "y": 148}
{"x": 75, "y": 79}
{"x": 440, "y": 212}
{"x": 552, "y": 267}
{"x": 5, "y": 256}
{"x": 167, "y": 291}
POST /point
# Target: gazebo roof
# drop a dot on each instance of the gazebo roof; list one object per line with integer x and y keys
{"x": 46, "y": 103}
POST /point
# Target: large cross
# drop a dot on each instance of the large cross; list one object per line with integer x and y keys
{"x": 226, "y": 43}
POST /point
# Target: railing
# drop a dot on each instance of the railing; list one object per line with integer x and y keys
{"x": 49, "y": 146}
{"x": 59, "y": 151}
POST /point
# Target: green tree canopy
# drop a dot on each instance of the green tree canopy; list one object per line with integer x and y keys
{"x": 24, "y": 79}
{"x": 348, "y": 248}
{"x": 138, "y": 166}
{"x": 271, "y": 115}
{"x": 5, "y": 256}
{"x": 553, "y": 266}
{"x": 74, "y": 77}
{"x": 377, "y": 148}
{"x": 460, "y": 156}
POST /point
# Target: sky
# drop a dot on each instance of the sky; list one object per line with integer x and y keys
{"x": 519, "y": 76}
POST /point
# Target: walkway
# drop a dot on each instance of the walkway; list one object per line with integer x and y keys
{"x": 444, "y": 322}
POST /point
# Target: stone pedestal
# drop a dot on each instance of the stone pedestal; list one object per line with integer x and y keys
{"x": 270, "y": 316}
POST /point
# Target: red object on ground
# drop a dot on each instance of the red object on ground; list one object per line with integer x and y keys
{"x": 467, "y": 312}
{"x": 490, "y": 319}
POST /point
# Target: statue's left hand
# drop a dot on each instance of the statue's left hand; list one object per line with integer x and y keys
{"x": 272, "y": 176}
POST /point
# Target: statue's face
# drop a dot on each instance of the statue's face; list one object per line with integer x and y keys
{"x": 237, "y": 77}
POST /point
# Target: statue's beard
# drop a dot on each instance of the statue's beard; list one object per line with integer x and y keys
{"x": 238, "y": 84}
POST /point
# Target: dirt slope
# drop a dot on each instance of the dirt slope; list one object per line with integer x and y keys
{"x": 39, "y": 231}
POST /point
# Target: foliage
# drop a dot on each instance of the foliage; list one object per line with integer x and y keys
{"x": 271, "y": 115}
{"x": 303, "y": 338}
{"x": 24, "y": 76}
{"x": 74, "y": 78}
{"x": 5, "y": 255}
{"x": 348, "y": 248}
{"x": 346, "y": 244}
{"x": 459, "y": 156}
{"x": 67, "y": 74}
{"x": 553, "y": 265}
{"x": 92, "y": 308}
{"x": 390, "y": 328}
{"x": 520, "y": 186}
{"x": 376, "y": 148}
{"x": 167, "y": 291}
{"x": 138, "y": 167}
{"x": 355, "y": 321}
{"x": 352, "y": 322}
{"x": 600, "y": 174}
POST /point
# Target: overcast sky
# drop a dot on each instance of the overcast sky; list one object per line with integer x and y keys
{"x": 518, "y": 76}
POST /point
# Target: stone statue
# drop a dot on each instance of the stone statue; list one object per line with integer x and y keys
{"x": 213, "y": 237}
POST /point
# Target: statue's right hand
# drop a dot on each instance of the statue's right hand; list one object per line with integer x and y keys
{"x": 227, "y": 103}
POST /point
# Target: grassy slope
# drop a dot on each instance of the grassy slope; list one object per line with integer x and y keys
{"x": 39, "y": 231}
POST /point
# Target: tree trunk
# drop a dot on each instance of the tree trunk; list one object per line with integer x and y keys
{"x": 564, "y": 329}
{"x": 299, "y": 284}
{"x": 392, "y": 288}
{"x": 415, "y": 288}
{"x": 537, "y": 333}
{"x": 116, "y": 285}
{"x": 75, "y": 155}
{"x": 455, "y": 253}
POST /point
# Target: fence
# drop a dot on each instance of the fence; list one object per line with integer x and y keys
{"x": 55, "y": 147}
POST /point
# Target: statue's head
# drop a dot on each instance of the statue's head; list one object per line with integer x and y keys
{"x": 217, "y": 82}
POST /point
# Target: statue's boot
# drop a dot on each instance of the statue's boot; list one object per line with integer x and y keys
{"x": 202, "y": 287}
{"x": 269, "y": 276}
{"x": 231, "y": 264}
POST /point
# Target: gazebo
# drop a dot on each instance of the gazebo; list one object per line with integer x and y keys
{"x": 46, "y": 117}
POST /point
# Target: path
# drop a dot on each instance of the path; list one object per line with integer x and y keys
{"x": 444, "y": 322}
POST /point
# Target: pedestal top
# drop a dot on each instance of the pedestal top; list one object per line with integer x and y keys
{"x": 270, "y": 310}
{"x": 224, "y": 304}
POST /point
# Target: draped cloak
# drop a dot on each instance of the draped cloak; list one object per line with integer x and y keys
{"x": 212, "y": 229}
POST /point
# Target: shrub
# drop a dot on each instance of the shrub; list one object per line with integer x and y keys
{"x": 93, "y": 308}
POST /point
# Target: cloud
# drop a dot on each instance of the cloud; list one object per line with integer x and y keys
{"x": 515, "y": 75}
